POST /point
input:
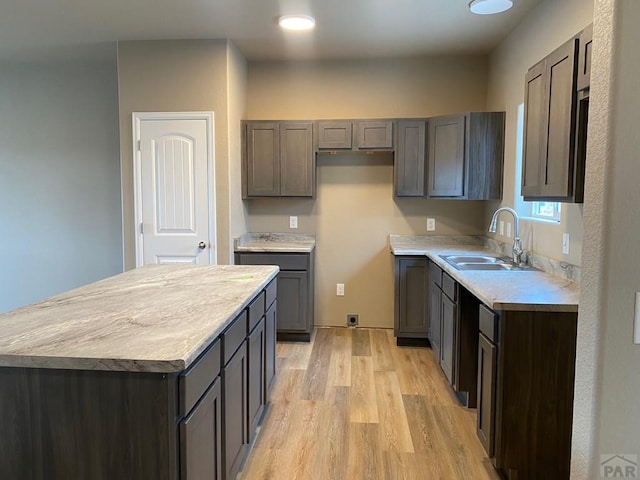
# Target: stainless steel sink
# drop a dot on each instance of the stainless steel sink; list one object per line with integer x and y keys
{"x": 483, "y": 262}
{"x": 473, "y": 259}
{"x": 486, "y": 266}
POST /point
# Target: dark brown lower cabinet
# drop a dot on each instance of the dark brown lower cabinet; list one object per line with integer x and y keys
{"x": 411, "y": 319}
{"x": 448, "y": 310}
{"x": 256, "y": 344}
{"x": 201, "y": 438}
{"x": 270, "y": 347}
{"x": 435, "y": 317}
{"x": 486, "y": 414}
{"x": 235, "y": 411}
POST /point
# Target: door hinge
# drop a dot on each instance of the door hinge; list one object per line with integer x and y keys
{"x": 142, "y": 228}
{"x": 139, "y": 145}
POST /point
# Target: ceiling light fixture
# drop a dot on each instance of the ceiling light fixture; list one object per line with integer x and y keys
{"x": 489, "y": 7}
{"x": 297, "y": 22}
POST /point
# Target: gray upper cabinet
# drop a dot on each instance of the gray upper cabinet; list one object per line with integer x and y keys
{"x": 334, "y": 135}
{"x": 374, "y": 134}
{"x": 262, "y": 172}
{"x": 553, "y": 168}
{"x": 446, "y": 156}
{"x": 279, "y": 159}
{"x": 466, "y": 154}
{"x": 409, "y": 163}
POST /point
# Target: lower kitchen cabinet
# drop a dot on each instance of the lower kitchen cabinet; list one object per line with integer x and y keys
{"x": 256, "y": 345}
{"x": 270, "y": 347}
{"x": 435, "y": 316}
{"x": 295, "y": 290}
{"x": 235, "y": 411}
{"x": 411, "y": 324}
{"x": 527, "y": 361}
{"x": 449, "y": 311}
{"x": 201, "y": 438}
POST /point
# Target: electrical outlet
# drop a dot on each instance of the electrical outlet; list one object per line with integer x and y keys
{"x": 340, "y": 289}
{"x": 508, "y": 229}
{"x": 293, "y": 222}
{"x": 431, "y": 224}
{"x": 502, "y": 227}
{"x": 565, "y": 243}
{"x": 352, "y": 320}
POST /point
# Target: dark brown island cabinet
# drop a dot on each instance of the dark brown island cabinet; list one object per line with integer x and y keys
{"x": 555, "y": 122}
{"x": 295, "y": 290}
{"x": 104, "y": 425}
{"x": 278, "y": 159}
{"x": 454, "y": 156}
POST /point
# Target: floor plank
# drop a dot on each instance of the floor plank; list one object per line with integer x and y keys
{"x": 351, "y": 404}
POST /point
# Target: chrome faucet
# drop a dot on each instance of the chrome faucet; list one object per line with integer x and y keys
{"x": 517, "y": 246}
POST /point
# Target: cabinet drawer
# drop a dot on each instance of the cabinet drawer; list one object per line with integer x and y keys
{"x": 195, "y": 380}
{"x": 271, "y": 292}
{"x": 294, "y": 261}
{"x": 449, "y": 287}
{"x": 256, "y": 310}
{"x": 435, "y": 273}
{"x": 488, "y": 323}
{"x": 233, "y": 336}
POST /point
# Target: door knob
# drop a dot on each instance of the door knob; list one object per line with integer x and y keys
{"x": 202, "y": 245}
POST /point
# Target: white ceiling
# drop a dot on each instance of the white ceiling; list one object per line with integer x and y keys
{"x": 344, "y": 28}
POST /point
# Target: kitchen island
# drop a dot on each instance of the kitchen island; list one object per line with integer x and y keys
{"x": 157, "y": 373}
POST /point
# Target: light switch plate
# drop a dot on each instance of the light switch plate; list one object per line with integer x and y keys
{"x": 565, "y": 243}
{"x": 293, "y": 222}
{"x": 636, "y": 322}
{"x": 431, "y": 224}
{"x": 508, "y": 229}
{"x": 340, "y": 289}
{"x": 502, "y": 227}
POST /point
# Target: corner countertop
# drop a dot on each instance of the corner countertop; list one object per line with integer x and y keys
{"x": 527, "y": 290}
{"x": 156, "y": 318}
{"x": 275, "y": 242}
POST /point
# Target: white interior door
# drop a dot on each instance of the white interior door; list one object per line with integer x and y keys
{"x": 175, "y": 210}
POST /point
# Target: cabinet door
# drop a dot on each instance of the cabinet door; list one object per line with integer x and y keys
{"x": 297, "y": 172}
{"x": 487, "y": 371}
{"x": 234, "y": 391}
{"x": 557, "y": 171}
{"x": 446, "y": 156}
{"x": 584, "y": 58}
{"x": 412, "y": 297}
{"x": 534, "y": 130}
{"x": 263, "y": 159}
{"x": 448, "y": 335}
{"x": 270, "y": 347}
{"x": 435, "y": 318}
{"x": 409, "y": 165}
{"x": 293, "y": 292}
{"x": 374, "y": 134}
{"x": 256, "y": 345}
{"x": 201, "y": 438}
{"x": 334, "y": 135}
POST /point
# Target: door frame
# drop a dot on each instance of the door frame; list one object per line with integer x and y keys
{"x": 137, "y": 118}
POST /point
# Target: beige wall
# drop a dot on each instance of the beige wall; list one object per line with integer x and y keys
{"x": 543, "y": 30}
{"x": 181, "y": 75}
{"x": 354, "y": 210}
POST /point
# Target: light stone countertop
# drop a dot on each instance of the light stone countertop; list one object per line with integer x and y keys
{"x": 275, "y": 242}
{"x": 157, "y": 318}
{"x": 525, "y": 290}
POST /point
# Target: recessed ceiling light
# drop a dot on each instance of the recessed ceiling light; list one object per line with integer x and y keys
{"x": 297, "y": 22}
{"x": 489, "y": 7}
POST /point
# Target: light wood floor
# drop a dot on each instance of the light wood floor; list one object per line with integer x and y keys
{"x": 352, "y": 405}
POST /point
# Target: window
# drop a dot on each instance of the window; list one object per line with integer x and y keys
{"x": 546, "y": 210}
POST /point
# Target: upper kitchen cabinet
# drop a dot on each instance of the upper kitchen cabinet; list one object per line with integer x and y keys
{"x": 334, "y": 135}
{"x": 409, "y": 165}
{"x": 278, "y": 159}
{"x": 554, "y": 125}
{"x": 374, "y": 134}
{"x": 465, "y": 156}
